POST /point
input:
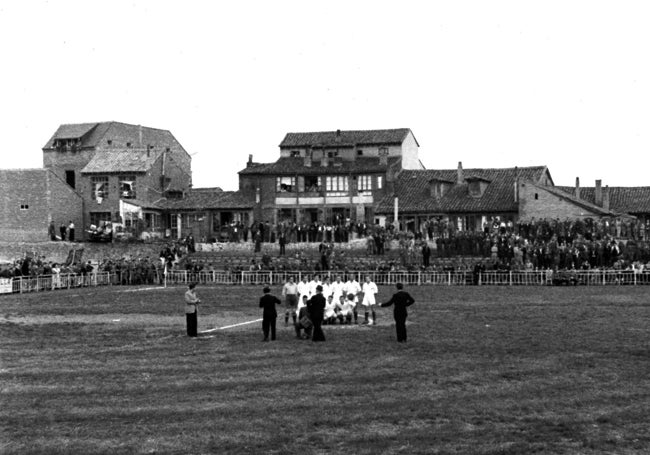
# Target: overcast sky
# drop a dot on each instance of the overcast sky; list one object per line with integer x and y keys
{"x": 489, "y": 83}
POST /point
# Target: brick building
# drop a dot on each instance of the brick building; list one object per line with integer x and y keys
{"x": 31, "y": 199}
{"x": 633, "y": 200}
{"x": 122, "y": 172}
{"x": 329, "y": 177}
{"x": 468, "y": 198}
{"x": 208, "y": 213}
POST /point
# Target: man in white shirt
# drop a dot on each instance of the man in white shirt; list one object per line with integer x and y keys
{"x": 337, "y": 288}
{"x": 369, "y": 290}
{"x": 303, "y": 288}
{"x": 352, "y": 287}
{"x": 313, "y": 284}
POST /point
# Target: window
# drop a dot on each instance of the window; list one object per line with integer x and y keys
{"x": 127, "y": 186}
{"x": 364, "y": 183}
{"x": 312, "y": 184}
{"x": 70, "y": 178}
{"x": 192, "y": 219}
{"x": 536, "y": 196}
{"x": 128, "y": 144}
{"x": 333, "y": 154}
{"x": 336, "y": 184}
{"x": 359, "y": 152}
{"x": 383, "y": 151}
{"x": 380, "y": 182}
{"x": 109, "y": 142}
{"x": 294, "y": 153}
{"x": 24, "y": 206}
{"x": 99, "y": 218}
{"x": 99, "y": 186}
{"x": 285, "y": 184}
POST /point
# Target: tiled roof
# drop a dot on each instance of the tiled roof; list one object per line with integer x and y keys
{"x": 94, "y": 134}
{"x": 198, "y": 199}
{"x": 73, "y": 131}
{"x": 120, "y": 161}
{"x": 346, "y": 138}
{"x": 624, "y": 199}
{"x": 413, "y": 191}
{"x": 295, "y": 165}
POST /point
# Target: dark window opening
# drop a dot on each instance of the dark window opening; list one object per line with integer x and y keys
{"x": 536, "y": 196}
{"x": 109, "y": 142}
{"x": 128, "y": 144}
{"x": 24, "y": 206}
{"x": 311, "y": 183}
{"x": 359, "y": 152}
{"x": 295, "y": 153}
{"x": 70, "y": 178}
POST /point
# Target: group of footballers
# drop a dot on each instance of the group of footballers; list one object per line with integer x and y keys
{"x": 342, "y": 299}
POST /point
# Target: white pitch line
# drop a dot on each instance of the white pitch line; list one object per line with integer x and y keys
{"x": 230, "y": 326}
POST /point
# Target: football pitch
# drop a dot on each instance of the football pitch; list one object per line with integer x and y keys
{"x": 486, "y": 370}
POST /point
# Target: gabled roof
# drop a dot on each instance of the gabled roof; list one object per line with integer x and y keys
{"x": 624, "y": 199}
{"x": 201, "y": 199}
{"x": 557, "y": 191}
{"x": 113, "y": 161}
{"x": 345, "y": 138}
{"x": 414, "y": 195}
{"x": 296, "y": 165}
{"x": 95, "y": 134}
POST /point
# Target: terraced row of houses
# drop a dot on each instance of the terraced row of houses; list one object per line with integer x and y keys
{"x": 141, "y": 178}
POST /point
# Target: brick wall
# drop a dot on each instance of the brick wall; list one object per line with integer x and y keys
{"x": 44, "y": 198}
{"x": 536, "y": 202}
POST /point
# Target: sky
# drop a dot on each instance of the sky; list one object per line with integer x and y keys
{"x": 564, "y": 84}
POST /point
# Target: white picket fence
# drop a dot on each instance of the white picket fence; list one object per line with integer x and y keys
{"x": 490, "y": 278}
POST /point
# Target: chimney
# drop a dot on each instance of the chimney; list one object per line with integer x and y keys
{"x": 250, "y": 160}
{"x": 606, "y": 198}
{"x": 308, "y": 158}
{"x": 460, "y": 178}
{"x": 598, "y": 193}
{"x": 338, "y": 136}
{"x": 577, "y": 194}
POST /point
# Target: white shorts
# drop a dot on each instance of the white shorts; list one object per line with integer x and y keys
{"x": 369, "y": 300}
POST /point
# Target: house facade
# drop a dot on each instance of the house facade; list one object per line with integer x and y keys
{"x": 122, "y": 172}
{"x": 329, "y": 177}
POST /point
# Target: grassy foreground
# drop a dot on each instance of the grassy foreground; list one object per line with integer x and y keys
{"x": 486, "y": 370}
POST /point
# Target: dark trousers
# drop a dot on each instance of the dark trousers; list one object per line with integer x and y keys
{"x": 400, "y": 327}
{"x": 191, "y": 324}
{"x": 268, "y": 322}
{"x": 71, "y": 235}
{"x": 318, "y": 334}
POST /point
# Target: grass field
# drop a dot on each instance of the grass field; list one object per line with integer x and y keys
{"x": 486, "y": 370}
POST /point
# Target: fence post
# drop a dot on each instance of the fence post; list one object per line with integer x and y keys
{"x": 270, "y": 278}
{"x": 419, "y": 278}
{"x": 480, "y": 277}
{"x": 242, "y": 277}
{"x": 448, "y": 278}
{"x": 634, "y": 274}
{"x": 510, "y": 283}
{"x": 603, "y": 278}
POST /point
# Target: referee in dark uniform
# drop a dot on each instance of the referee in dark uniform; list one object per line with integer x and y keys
{"x": 269, "y": 315}
{"x": 401, "y": 299}
{"x": 316, "y": 308}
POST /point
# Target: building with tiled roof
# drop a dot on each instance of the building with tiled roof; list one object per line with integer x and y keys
{"x": 329, "y": 176}
{"x": 633, "y": 200}
{"x": 108, "y": 163}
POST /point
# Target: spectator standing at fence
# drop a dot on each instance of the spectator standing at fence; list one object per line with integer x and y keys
{"x": 282, "y": 241}
{"x": 51, "y": 231}
{"x": 426, "y": 254}
{"x": 290, "y": 293}
{"x": 316, "y": 310}
{"x": 269, "y": 315}
{"x": 191, "y": 310}
{"x": 369, "y": 290}
{"x": 401, "y": 299}
{"x": 71, "y": 231}
{"x": 62, "y": 230}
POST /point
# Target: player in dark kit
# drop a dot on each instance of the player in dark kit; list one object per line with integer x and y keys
{"x": 401, "y": 299}
{"x": 269, "y": 315}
